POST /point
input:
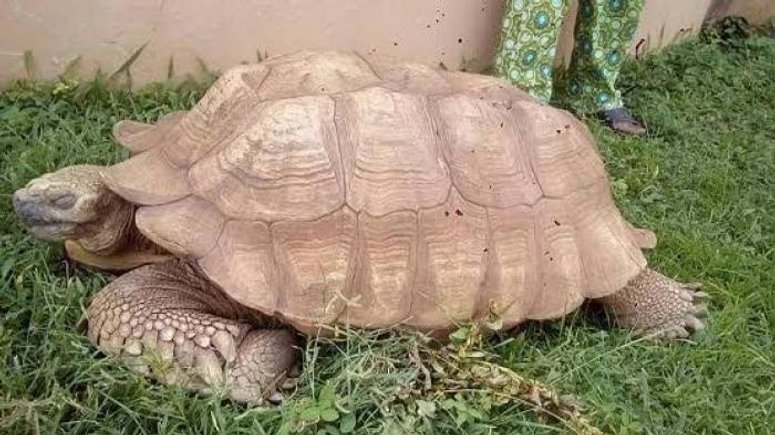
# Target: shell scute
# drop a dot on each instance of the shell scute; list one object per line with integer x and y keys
{"x": 384, "y": 280}
{"x": 188, "y": 227}
{"x": 284, "y": 166}
{"x": 562, "y": 151}
{"x": 315, "y": 73}
{"x": 242, "y": 263}
{"x": 512, "y": 254}
{"x": 389, "y": 152}
{"x": 485, "y": 148}
{"x": 221, "y": 114}
{"x": 451, "y": 263}
{"x": 316, "y": 263}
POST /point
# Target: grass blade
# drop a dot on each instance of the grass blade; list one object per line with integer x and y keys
{"x": 29, "y": 64}
{"x": 71, "y": 69}
{"x": 170, "y": 68}
{"x": 124, "y": 68}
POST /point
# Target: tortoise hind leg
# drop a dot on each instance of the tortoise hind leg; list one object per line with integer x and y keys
{"x": 166, "y": 321}
{"x": 655, "y": 305}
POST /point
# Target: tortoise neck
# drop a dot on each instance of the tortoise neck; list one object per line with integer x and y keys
{"x": 113, "y": 232}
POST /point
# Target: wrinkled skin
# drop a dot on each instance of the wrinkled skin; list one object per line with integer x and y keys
{"x": 73, "y": 203}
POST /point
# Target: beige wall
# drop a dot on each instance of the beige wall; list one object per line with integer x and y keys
{"x": 460, "y": 33}
{"x": 756, "y": 11}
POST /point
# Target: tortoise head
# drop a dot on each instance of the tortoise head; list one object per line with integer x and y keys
{"x": 65, "y": 204}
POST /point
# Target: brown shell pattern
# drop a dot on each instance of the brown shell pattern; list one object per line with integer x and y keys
{"x": 322, "y": 188}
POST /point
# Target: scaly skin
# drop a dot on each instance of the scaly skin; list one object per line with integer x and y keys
{"x": 654, "y": 305}
{"x": 167, "y": 321}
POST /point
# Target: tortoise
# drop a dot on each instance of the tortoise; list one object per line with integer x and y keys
{"x": 319, "y": 189}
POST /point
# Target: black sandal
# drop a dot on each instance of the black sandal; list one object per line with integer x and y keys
{"x": 620, "y": 120}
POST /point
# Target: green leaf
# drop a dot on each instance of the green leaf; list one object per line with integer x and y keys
{"x": 310, "y": 415}
{"x": 473, "y": 412}
{"x": 285, "y": 429}
{"x": 461, "y": 334}
{"x": 329, "y": 414}
{"x": 448, "y": 404}
{"x": 426, "y": 408}
{"x": 495, "y": 325}
{"x": 347, "y": 423}
{"x": 327, "y": 396}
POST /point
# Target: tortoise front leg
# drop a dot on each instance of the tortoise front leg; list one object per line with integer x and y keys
{"x": 653, "y": 304}
{"x": 167, "y": 321}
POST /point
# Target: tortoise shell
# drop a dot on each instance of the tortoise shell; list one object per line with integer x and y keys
{"x": 323, "y": 188}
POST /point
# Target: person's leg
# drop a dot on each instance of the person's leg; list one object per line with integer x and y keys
{"x": 528, "y": 44}
{"x": 604, "y": 29}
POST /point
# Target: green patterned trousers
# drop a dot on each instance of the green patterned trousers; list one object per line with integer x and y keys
{"x": 604, "y": 29}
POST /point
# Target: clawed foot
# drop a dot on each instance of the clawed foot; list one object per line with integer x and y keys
{"x": 657, "y": 307}
{"x": 286, "y": 388}
{"x": 692, "y": 321}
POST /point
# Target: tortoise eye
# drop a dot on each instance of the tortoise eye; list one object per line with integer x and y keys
{"x": 64, "y": 201}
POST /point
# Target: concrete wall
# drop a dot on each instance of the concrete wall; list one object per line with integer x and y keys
{"x": 756, "y": 11}
{"x": 459, "y": 33}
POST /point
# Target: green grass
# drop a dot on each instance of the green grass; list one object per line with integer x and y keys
{"x": 702, "y": 179}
